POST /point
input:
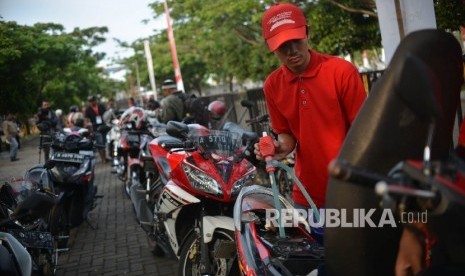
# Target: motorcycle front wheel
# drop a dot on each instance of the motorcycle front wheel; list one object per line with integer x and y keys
{"x": 59, "y": 226}
{"x": 189, "y": 262}
{"x": 285, "y": 184}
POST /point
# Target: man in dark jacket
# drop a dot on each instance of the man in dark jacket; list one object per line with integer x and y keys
{"x": 94, "y": 115}
{"x": 47, "y": 123}
{"x": 172, "y": 107}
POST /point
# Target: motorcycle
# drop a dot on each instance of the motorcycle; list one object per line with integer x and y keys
{"x": 187, "y": 212}
{"x": 112, "y": 140}
{"x": 70, "y": 172}
{"x": 398, "y": 154}
{"x": 14, "y": 258}
{"x": 135, "y": 136}
{"x": 28, "y": 230}
{"x": 272, "y": 237}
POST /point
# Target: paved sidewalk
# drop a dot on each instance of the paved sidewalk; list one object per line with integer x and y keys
{"x": 118, "y": 246}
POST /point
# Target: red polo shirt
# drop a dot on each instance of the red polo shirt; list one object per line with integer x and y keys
{"x": 317, "y": 108}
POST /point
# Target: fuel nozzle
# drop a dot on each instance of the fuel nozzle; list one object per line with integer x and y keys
{"x": 267, "y": 149}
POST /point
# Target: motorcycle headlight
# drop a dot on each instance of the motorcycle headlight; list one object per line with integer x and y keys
{"x": 244, "y": 181}
{"x": 201, "y": 181}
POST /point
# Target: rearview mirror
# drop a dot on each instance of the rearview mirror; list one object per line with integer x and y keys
{"x": 177, "y": 129}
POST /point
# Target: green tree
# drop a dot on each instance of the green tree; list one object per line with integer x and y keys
{"x": 43, "y": 61}
{"x": 221, "y": 39}
{"x": 225, "y": 37}
{"x": 450, "y": 14}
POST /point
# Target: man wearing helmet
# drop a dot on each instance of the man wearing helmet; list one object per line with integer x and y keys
{"x": 172, "y": 107}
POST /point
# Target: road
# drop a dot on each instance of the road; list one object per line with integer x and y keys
{"x": 118, "y": 246}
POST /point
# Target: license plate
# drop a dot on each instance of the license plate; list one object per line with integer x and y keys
{"x": 215, "y": 142}
{"x": 33, "y": 239}
{"x": 68, "y": 157}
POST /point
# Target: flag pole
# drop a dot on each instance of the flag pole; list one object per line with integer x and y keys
{"x": 174, "y": 55}
{"x": 148, "y": 56}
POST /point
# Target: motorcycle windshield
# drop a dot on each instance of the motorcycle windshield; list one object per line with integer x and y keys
{"x": 220, "y": 146}
{"x": 217, "y": 143}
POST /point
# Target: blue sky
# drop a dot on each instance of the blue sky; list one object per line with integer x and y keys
{"x": 122, "y": 17}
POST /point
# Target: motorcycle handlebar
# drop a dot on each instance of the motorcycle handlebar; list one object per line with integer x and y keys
{"x": 345, "y": 172}
{"x": 260, "y": 119}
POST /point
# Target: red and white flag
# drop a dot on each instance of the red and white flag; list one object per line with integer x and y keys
{"x": 174, "y": 55}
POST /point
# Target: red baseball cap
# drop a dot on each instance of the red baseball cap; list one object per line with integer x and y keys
{"x": 283, "y": 22}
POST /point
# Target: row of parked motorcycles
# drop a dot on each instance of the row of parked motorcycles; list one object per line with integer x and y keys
{"x": 38, "y": 210}
{"x": 182, "y": 180}
{"x": 193, "y": 192}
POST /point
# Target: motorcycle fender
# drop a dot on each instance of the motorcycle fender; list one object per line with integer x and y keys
{"x": 210, "y": 223}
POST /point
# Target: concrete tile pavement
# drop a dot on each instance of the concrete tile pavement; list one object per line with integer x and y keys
{"x": 118, "y": 246}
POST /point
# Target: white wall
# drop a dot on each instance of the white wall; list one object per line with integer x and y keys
{"x": 416, "y": 15}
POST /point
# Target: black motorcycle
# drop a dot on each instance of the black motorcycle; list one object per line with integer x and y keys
{"x": 27, "y": 211}
{"x": 70, "y": 172}
{"x": 14, "y": 258}
{"x": 412, "y": 105}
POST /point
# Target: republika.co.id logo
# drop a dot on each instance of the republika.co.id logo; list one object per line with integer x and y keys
{"x": 346, "y": 218}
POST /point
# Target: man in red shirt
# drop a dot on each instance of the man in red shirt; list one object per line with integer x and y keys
{"x": 312, "y": 100}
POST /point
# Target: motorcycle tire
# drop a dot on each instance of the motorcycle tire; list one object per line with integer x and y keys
{"x": 59, "y": 226}
{"x": 76, "y": 207}
{"x": 285, "y": 184}
{"x": 220, "y": 267}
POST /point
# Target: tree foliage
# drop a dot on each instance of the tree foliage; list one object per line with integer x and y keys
{"x": 221, "y": 39}
{"x": 450, "y": 14}
{"x": 43, "y": 61}
{"x": 218, "y": 40}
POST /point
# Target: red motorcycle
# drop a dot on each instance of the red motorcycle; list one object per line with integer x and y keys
{"x": 135, "y": 136}
{"x": 268, "y": 244}
{"x": 187, "y": 211}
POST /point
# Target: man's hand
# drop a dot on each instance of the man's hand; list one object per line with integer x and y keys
{"x": 284, "y": 145}
{"x": 257, "y": 152}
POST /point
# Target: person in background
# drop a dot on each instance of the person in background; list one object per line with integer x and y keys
{"x": 94, "y": 114}
{"x": 19, "y": 136}
{"x": 172, "y": 107}
{"x": 10, "y": 130}
{"x": 60, "y": 120}
{"x": 153, "y": 104}
{"x": 48, "y": 120}
{"x": 132, "y": 102}
{"x": 73, "y": 112}
{"x": 312, "y": 99}
{"x": 110, "y": 113}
